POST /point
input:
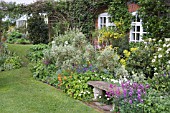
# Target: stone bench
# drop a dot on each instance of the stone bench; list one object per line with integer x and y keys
{"x": 99, "y": 87}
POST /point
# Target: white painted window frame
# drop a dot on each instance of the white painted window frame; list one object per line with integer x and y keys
{"x": 141, "y": 32}
{"x": 101, "y": 22}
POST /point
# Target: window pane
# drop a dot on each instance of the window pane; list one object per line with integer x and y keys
{"x": 137, "y": 36}
{"x": 104, "y": 19}
{"x": 133, "y": 36}
{"x": 133, "y": 28}
{"x": 101, "y": 20}
{"x": 138, "y": 28}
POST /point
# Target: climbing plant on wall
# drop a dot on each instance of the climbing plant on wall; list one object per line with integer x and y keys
{"x": 81, "y": 13}
{"x": 119, "y": 12}
{"x": 154, "y": 14}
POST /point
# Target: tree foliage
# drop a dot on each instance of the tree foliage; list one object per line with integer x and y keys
{"x": 37, "y": 29}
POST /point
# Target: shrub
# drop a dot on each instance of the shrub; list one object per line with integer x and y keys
{"x": 37, "y": 29}
{"x": 75, "y": 85}
{"x": 22, "y": 41}
{"x": 36, "y": 52}
{"x": 13, "y": 36}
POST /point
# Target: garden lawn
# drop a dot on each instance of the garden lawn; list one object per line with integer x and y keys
{"x": 20, "y": 93}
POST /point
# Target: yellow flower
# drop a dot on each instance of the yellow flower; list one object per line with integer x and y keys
{"x": 133, "y": 49}
{"x": 125, "y": 51}
{"x": 123, "y": 61}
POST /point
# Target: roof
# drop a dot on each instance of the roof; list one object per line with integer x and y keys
{"x": 24, "y": 17}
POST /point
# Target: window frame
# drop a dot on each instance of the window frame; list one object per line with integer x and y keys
{"x": 135, "y": 34}
{"x": 104, "y": 20}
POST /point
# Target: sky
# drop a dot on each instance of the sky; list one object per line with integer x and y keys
{"x": 19, "y": 1}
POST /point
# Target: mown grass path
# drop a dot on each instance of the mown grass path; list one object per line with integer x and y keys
{"x": 21, "y": 93}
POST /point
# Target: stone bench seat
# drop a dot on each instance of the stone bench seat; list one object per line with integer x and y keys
{"x": 99, "y": 87}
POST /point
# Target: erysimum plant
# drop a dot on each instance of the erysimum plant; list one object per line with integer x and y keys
{"x": 127, "y": 96}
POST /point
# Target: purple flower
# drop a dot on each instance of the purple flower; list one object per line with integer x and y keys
{"x": 117, "y": 92}
{"x": 111, "y": 85}
{"x": 141, "y": 86}
{"x": 147, "y": 86}
{"x": 124, "y": 92}
{"x": 135, "y": 85}
{"x": 123, "y": 85}
{"x": 130, "y": 101}
{"x": 130, "y": 93}
{"x": 138, "y": 91}
{"x": 139, "y": 96}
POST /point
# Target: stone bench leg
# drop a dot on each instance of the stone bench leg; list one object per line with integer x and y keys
{"x": 97, "y": 92}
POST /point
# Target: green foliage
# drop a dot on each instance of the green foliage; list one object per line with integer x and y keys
{"x": 122, "y": 44}
{"x": 8, "y": 60}
{"x": 36, "y": 52}
{"x": 154, "y": 14}
{"x": 71, "y": 49}
{"x": 22, "y": 41}
{"x": 119, "y": 12}
{"x": 80, "y": 14}
{"x": 12, "y": 62}
{"x": 108, "y": 62}
{"x": 140, "y": 60}
{"x": 37, "y": 29}
{"x": 13, "y": 36}
{"x": 156, "y": 102}
{"x": 76, "y": 85}
{"x": 43, "y": 72}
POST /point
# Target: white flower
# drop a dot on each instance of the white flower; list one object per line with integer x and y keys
{"x": 168, "y": 45}
{"x": 66, "y": 42}
{"x": 159, "y": 49}
{"x": 79, "y": 94}
{"x": 160, "y": 40}
{"x": 159, "y": 56}
{"x": 155, "y": 57}
{"x": 167, "y": 52}
{"x": 169, "y": 62}
{"x": 155, "y": 68}
{"x": 153, "y": 60}
{"x": 155, "y": 74}
{"x": 150, "y": 39}
{"x": 164, "y": 45}
{"x": 108, "y": 98}
{"x": 154, "y": 39}
{"x": 112, "y": 80}
{"x": 105, "y": 95}
{"x": 100, "y": 96}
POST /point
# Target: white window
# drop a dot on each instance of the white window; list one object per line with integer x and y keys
{"x": 104, "y": 20}
{"x": 137, "y": 31}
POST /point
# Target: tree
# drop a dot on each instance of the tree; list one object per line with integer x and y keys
{"x": 10, "y": 10}
{"x": 37, "y": 29}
